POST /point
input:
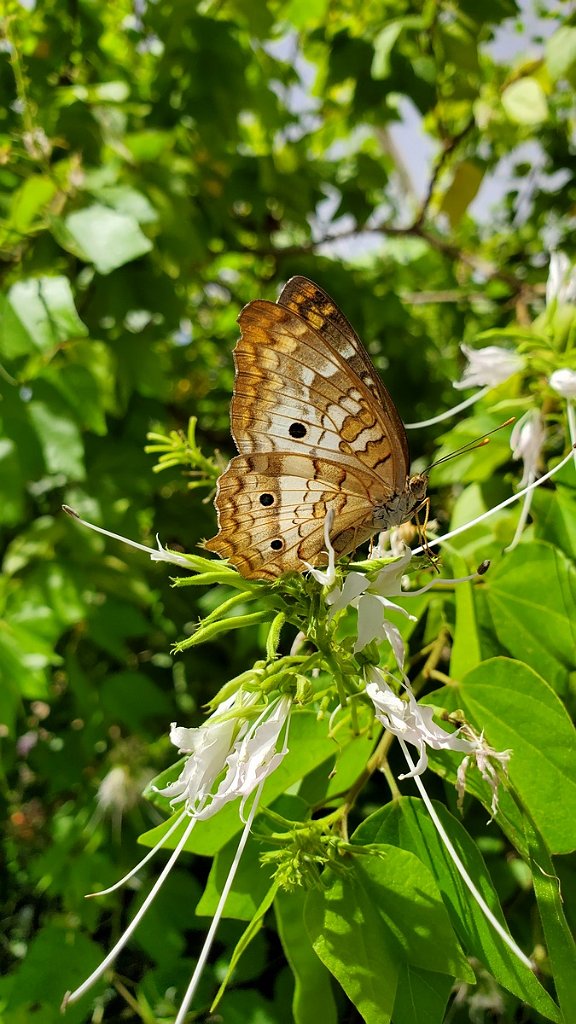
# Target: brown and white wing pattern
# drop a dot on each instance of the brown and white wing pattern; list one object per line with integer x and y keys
{"x": 272, "y": 507}
{"x": 315, "y": 430}
{"x": 313, "y": 304}
{"x": 294, "y": 392}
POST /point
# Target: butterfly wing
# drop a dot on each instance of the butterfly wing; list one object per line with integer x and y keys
{"x": 316, "y": 307}
{"x": 315, "y": 430}
{"x": 272, "y": 507}
{"x": 294, "y": 392}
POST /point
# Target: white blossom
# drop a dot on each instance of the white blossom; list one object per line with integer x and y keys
{"x": 488, "y": 366}
{"x": 254, "y": 757}
{"x": 411, "y": 722}
{"x": 118, "y": 791}
{"x": 526, "y": 441}
{"x": 561, "y": 283}
{"x": 486, "y": 760}
{"x": 229, "y": 755}
{"x": 564, "y": 382}
{"x": 372, "y": 600}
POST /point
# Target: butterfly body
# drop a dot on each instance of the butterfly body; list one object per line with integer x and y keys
{"x": 315, "y": 430}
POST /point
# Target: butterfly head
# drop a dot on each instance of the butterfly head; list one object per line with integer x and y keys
{"x": 417, "y": 487}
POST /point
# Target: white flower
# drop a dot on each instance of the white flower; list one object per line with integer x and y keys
{"x": 484, "y": 756}
{"x": 526, "y": 441}
{"x": 371, "y": 599}
{"x": 561, "y": 283}
{"x": 488, "y": 366}
{"x": 231, "y": 748}
{"x": 118, "y": 791}
{"x": 161, "y": 555}
{"x": 564, "y": 382}
{"x": 255, "y": 756}
{"x": 411, "y": 722}
{"x": 208, "y": 746}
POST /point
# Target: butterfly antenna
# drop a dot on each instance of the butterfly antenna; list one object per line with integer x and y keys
{"x": 470, "y": 446}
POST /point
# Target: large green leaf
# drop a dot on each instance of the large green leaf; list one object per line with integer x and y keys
{"x": 348, "y": 936}
{"x": 106, "y": 238}
{"x": 525, "y": 101}
{"x": 313, "y": 997}
{"x": 531, "y": 595}
{"x": 38, "y": 313}
{"x": 518, "y": 711}
{"x": 407, "y": 825}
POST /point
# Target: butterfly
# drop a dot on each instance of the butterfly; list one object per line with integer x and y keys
{"x": 315, "y": 430}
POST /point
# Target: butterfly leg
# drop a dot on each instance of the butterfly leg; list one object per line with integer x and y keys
{"x": 421, "y": 527}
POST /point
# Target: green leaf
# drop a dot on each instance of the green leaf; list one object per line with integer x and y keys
{"x": 466, "y": 651}
{"x": 422, "y": 996}
{"x": 383, "y": 46}
{"x": 535, "y": 620}
{"x": 127, "y": 201}
{"x": 408, "y": 900}
{"x": 468, "y": 176}
{"x": 560, "y": 50}
{"x": 249, "y": 933}
{"x": 555, "y": 518}
{"x": 348, "y": 935}
{"x": 59, "y": 438}
{"x": 313, "y": 998}
{"x": 407, "y": 825}
{"x": 251, "y": 883}
{"x": 557, "y": 933}
{"x": 38, "y": 314}
{"x": 524, "y": 102}
{"x": 106, "y": 238}
{"x": 304, "y": 12}
{"x": 80, "y": 388}
{"x": 12, "y": 503}
{"x": 28, "y": 201}
{"x": 518, "y": 711}
{"x": 39, "y": 988}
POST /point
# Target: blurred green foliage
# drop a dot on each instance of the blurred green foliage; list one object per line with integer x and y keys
{"x": 161, "y": 164}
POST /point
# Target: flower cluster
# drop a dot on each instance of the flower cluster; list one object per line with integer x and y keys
{"x": 229, "y": 755}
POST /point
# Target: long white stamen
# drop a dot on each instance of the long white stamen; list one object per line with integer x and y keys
{"x": 485, "y": 515}
{"x": 525, "y": 511}
{"x": 205, "y": 952}
{"x": 440, "y": 582}
{"x": 572, "y": 425}
{"x": 449, "y": 412}
{"x": 462, "y": 870}
{"x": 161, "y": 842}
{"x": 71, "y": 997}
{"x": 153, "y": 553}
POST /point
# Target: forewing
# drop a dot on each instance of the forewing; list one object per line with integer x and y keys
{"x": 317, "y": 309}
{"x": 295, "y": 393}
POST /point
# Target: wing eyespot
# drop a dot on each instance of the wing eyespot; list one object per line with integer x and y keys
{"x": 297, "y": 430}
{"x": 277, "y": 544}
{"x": 266, "y": 499}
